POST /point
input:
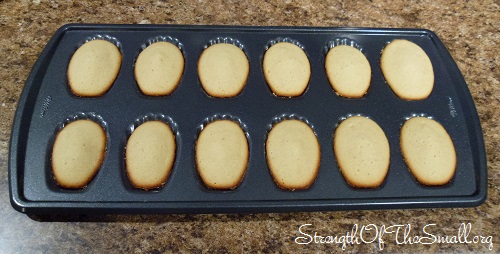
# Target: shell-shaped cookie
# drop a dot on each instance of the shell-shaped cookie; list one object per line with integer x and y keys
{"x": 158, "y": 69}
{"x": 93, "y": 68}
{"x": 407, "y": 69}
{"x": 78, "y": 152}
{"x": 287, "y": 69}
{"x": 428, "y": 151}
{"x": 348, "y": 71}
{"x": 223, "y": 70}
{"x": 150, "y": 155}
{"x": 293, "y": 154}
{"x": 222, "y": 154}
{"x": 362, "y": 152}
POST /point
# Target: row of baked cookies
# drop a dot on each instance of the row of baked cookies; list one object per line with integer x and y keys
{"x": 292, "y": 153}
{"x": 223, "y": 69}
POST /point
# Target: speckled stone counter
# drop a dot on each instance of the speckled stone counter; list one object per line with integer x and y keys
{"x": 470, "y": 30}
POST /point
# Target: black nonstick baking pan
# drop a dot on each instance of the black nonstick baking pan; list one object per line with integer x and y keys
{"x": 47, "y": 103}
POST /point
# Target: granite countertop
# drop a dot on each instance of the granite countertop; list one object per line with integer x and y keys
{"x": 468, "y": 29}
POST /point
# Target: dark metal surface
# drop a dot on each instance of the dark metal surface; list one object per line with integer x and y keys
{"x": 47, "y": 103}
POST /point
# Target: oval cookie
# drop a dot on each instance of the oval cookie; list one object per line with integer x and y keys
{"x": 293, "y": 154}
{"x": 222, "y": 154}
{"x": 150, "y": 155}
{"x": 348, "y": 71}
{"x": 223, "y": 70}
{"x": 407, "y": 69}
{"x": 93, "y": 68}
{"x": 428, "y": 151}
{"x": 287, "y": 69}
{"x": 78, "y": 152}
{"x": 159, "y": 68}
{"x": 362, "y": 152}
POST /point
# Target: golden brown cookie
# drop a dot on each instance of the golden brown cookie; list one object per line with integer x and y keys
{"x": 428, "y": 151}
{"x": 223, "y": 70}
{"x": 78, "y": 153}
{"x": 222, "y": 154}
{"x": 293, "y": 154}
{"x": 287, "y": 69}
{"x": 150, "y": 155}
{"x": 158, "y": 69}
{"x": 362, "y": 152}
{"x": 348, "y": 71}
{"x": 93, "y": 68}
{"x": 407, "y": 69}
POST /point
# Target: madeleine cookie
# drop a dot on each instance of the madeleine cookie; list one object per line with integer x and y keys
{"x": 78, "y": 152}
{"x": 362, "y": 152}
{"x": 348, "y": 71}
{"x": 222, "y": 154}
{"x": 223, "y": 70}
{"x": 407, "y": 69}
{"x": 93, "y": 68}
{"x": 287, "y": 69}
{"x": 293, "y": 154}
{"x": 150, "y": 155}
{"x": 159, "y": 68}
{"x": 428, "y": 151}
